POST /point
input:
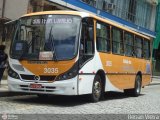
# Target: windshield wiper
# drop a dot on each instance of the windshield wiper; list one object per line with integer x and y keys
{"x": 53, "y": 48}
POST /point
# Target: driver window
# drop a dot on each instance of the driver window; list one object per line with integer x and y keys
{"x": 87, "y": 37}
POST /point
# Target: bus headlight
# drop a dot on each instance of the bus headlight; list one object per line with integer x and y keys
{"x": 69, "y": 74}
{"x": 12, "y": 73}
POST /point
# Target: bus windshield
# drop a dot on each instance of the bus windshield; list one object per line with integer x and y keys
{"x": 46, "y": 37}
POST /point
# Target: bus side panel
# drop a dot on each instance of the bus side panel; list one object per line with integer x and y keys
{"x": 85, "y": 84}
{"x": 146, "y": 79}
{"x": 87, "y": 75}
{"x": 122, "y": 81}
{"x": 122, "y": 71}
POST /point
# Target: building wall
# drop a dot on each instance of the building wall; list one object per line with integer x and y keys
{"x": 139, "y": 12}
{"x": 156, "y": 45}
{"x": 44, "y": 5}
{"x": 1, "y": 7}
{"x": 15, "y": 8}
{"x": 153, "y": 18}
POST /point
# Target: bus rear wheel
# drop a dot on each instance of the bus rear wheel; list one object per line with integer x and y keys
{"x": 96, "y": 89}
{"x": 137, "y": 87}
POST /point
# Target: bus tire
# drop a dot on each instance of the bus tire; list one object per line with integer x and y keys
{"x": 96, "y": 89}
{"x": 135, "y": 92}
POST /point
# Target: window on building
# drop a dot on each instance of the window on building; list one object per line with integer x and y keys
{"x": 128, "y": 39}
{"x": 146, "y": 49}
{"x": 104, "y": 6}
{"x": 138, "y": 46}
{"x": 117, "y": 41}
{"x": 99, "y": 4}
{"x": 132, "y": 10}
{"x": 108, "y": 6}
{"x": 90, "y": 2}
{"x": 103, "y": 37}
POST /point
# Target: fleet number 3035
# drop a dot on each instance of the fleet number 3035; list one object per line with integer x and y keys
{"x": 50, "y": 70}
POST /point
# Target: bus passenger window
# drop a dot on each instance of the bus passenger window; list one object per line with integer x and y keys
{"x": 146, "y": 49}
{"x": 117, "y": 41}
{"x": 138, "y": 47}
{"x": 128, "y": 39}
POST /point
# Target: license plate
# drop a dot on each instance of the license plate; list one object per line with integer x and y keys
{"x": 36, "y": 86}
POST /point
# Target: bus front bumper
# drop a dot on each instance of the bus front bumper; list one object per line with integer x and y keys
{"x": 64, "y": 87}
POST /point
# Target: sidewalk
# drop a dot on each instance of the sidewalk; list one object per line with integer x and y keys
{"x": 4, "y": 92}
{"x": 3, "y": 86}
{"x": 155, "y": 80}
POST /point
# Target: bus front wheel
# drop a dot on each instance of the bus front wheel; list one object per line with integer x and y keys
{"x": 96, "y": 89}
{"x": 137, "y": 87}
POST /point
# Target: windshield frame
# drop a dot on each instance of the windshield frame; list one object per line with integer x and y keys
{"x": 18, "y": 29}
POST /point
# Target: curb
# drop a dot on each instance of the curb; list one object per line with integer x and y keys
{"x": 155, "y": 83}
{"x": 156, "y": 80}
{"x": 156, "y": 77}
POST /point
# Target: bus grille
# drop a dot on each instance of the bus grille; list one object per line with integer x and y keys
{"x": 42, "y": 89}
{"x": 42, "y": 78}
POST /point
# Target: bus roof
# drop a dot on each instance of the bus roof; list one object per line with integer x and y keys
{"x": 85, "y": 14}
{"x": 82, "y": 14}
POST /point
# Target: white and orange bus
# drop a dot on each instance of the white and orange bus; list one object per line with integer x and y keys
{"x": 76, "y": 53}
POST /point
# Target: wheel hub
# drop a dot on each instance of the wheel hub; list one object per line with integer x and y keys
{"x": 97, "y": 89}
{"x": 138, "y": 86}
